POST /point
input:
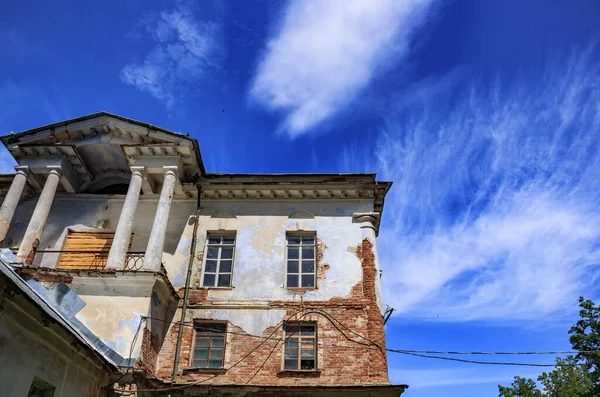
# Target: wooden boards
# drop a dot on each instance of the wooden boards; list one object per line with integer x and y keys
{"x": 84, "y": 250}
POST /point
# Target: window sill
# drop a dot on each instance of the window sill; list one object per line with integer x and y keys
{"x": 198, "y": 370}
{"x": 301, "y": 289}
{"x": 306, "y": 373}
{"x": 220, "y": 288}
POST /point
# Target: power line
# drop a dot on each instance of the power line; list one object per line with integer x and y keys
{"x": 481, "y": 362}
{"x": 553, "y": 353}
{"x": 366, "y": 346}
{"x": 214, "y": 376}
{"x": 401, "y": 351}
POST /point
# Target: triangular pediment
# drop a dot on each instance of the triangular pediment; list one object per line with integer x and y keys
{"x": 103, "y": 146}
{"x": 103, "y": 127}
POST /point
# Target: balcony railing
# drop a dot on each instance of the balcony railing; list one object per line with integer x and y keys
{"x": 93, "y": 260}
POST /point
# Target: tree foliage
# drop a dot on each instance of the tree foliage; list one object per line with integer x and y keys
{"x": 521, "y": 387}
{"x": 574, "y": 376}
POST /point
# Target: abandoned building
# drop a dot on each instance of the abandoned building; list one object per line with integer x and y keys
{"x": 127, "y": 270}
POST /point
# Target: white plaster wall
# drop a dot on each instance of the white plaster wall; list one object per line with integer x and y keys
{"x": 115, "y": 320}
{"x": 259, "y": 265}
{"x": 252, "y": 321}
{"x": 24, "y": 356}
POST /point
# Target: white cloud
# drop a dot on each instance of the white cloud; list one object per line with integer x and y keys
{"x": 185, "y": 49}
{"x": 494, "y": 210}
{"x": 326, "y": 52}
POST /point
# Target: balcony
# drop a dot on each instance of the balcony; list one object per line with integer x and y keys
{"x": 92, "y": 260}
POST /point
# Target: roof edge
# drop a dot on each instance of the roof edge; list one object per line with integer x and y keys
{"x": 31, "y": 131}
{"x": 39, "y": 301}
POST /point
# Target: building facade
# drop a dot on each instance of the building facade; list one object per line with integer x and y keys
{"x": 195, "y": 283}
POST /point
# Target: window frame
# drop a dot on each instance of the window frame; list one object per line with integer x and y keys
{"x": 221, "y": 234}
{"x": 301, "y": 234}
{"x": 46, "y": 388}
{"x": 314, "y": 326}
{"x": 207, "y": 324}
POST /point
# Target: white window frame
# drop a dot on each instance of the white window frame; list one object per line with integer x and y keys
{"x": 312, "y": 234}
{"x": 221, "y": 234}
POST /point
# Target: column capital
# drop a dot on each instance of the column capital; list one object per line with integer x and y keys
{"x": 55, "y": 169}
{"x": 22, "y": 170}
{"x": 171, "y": 170}
{"x": 139, "y": 170}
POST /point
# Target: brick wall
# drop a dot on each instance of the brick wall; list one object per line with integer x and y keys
{"x": 149, "y": 352}
{"x": 339, "y": 361}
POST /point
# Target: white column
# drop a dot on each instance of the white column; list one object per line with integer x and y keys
{"x": 156, "y": 243}
{"x": 33, "y": 234}
{"x": 11, "y": 200}
{"x": 118, "y": 249}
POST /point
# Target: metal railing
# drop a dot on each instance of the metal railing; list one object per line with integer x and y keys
{"x": 134, "y": 260}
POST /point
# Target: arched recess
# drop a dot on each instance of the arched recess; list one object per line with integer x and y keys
{"x": 109, "y": 184}
{"x": 301, "y": 214}
{"x": 224, "y": 214}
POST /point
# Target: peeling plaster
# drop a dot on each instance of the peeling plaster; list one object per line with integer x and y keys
{"x": 114, "y": 319}
{"x": 259, "y": 268}
{"x": 259, "y": 265}
{"x": 253, "y": 322}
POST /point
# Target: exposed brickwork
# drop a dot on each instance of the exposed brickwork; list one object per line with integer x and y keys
{"x": 195, "y": 295}
{"x": 31, "y": 254}
{"x": 375, "y": 327}
{"x": 149, "y": 353}
{"x": 321, "y": 267}
{"x": 44, "y": 277}
{"x": 339, "y": 361}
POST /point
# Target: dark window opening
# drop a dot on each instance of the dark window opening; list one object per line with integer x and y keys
{"x": 300, "y": 352}
{"x": 209, "y": 349}
{"x": 40, "y": 388}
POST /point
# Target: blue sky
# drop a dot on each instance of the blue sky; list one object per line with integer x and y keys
{"x": 485, "y": 115}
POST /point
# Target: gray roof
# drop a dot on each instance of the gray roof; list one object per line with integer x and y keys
{"x": 39, "y": 301}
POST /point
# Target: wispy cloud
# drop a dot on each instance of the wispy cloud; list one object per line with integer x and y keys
{"x": 494, "y": 212}
{"x": 326, "y": 52}
{"x": 185, "y": 49}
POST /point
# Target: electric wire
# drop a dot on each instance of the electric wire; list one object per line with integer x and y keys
{"x": 133, "y": 341}
{"x": 214, "y": 376}
{"x": 371, "y": 345}
{"x": 400, "y": 351}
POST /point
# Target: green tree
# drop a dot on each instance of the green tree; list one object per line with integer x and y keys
{"x": 574, "y": 376}
{"x": 568, "y": 379}
{"x": 585, "y": 337}
{"x": 521, "y": 387}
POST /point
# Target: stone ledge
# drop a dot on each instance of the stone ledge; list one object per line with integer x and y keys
{"x": 313, "y": 373}
{"x": 197, "y": 370}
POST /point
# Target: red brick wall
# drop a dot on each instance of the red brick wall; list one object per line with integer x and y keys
{"x": 340, "y": 361}
{"x": 149, "y": 351}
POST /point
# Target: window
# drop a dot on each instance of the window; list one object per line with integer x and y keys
{"x": 39, "y": 388}
{"x": 301, "y": 261}
{"x": 219, "y": 260}
{"x": 300, "y": 348}
{"x": 210, "y": 345}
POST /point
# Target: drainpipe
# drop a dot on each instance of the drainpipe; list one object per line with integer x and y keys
{"x": 186, "y": 290}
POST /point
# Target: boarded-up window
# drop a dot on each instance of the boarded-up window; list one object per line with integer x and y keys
{"x": 84, "y": 250}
